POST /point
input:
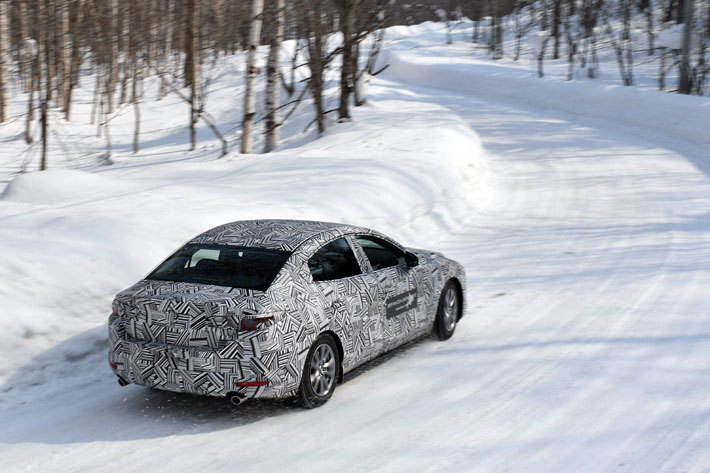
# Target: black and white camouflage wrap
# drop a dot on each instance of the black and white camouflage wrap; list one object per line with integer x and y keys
{"x": 186, "y": 337}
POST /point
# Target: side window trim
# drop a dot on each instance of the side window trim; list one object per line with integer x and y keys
{"x": 323, "y": 245}
{"x": 365, "y": 266}
{"x": 375, "y": 237}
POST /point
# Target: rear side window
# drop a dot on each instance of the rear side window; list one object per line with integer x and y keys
{"x": 380, "y": 253}
{"x": 335, "y": 260}
{"x": 222, "y": 265}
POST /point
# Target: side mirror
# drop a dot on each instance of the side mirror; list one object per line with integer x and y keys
{"x": 411, "y": 259}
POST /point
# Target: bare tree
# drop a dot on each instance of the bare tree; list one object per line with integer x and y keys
{"x": 25, "y": 65}
{"x": 64, "y": 78}
{"x": 647, "y": 7}
{"x": 191, "y": 63}
{"x": 277, "y": 13}
{"x": 167, "y": 27}
{"x": 372, "y": 26}
{"x": 685, "y": 80}
{"x": 113, "y": 55}
{"x": 4, "y": 55}
{"x": 44, "y": 82}
{"x": 588, "y": 21}
{"x": 313, "y": 28}
{"x": 540, "y": 53}
{"x": 623, "y": 46}
{"x": 346, "y": 9}
{"x": 76, "y": 59}
{"x": 31, "y": 53}
{"x": 257, "y": 7}
{"x": 556, "y": 22}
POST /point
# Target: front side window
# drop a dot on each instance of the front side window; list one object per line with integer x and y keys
{"x": 222, "y": 265}
{"x": 380, "y": 253}
{"x": 335, "y": 260}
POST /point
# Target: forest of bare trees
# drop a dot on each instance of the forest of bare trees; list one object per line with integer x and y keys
{"x": 576, "y": 30}
{"x": 48, "y": 46}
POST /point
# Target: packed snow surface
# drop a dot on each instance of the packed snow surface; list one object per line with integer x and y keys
{"x": 580, "y": 211}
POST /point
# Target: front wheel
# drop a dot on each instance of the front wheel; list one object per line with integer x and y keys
{"x": 448, "y": 312}
{"x": 319, "y": 373}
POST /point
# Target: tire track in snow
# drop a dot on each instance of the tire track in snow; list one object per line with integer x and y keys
{"x": 669, "y": 252}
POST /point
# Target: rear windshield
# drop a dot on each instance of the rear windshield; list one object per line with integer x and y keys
{"x": 222, "y": 265}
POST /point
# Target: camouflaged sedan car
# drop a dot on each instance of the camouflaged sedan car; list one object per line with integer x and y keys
{"x": 277, "y": 308}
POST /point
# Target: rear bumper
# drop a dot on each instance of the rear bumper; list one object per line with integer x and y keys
{"x": 200, "y": 371}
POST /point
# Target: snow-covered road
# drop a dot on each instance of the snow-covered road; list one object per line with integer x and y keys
{"x": 585, "y": 348}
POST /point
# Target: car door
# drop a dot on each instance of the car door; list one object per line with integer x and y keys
{"x": 398, "y": 288}
{"x": 349, "y": 303}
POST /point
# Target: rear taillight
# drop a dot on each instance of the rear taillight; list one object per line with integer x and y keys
{"x": 244, "y": 384}
{"x": 253, "y": 324}
{"x": 114, "y": 308}
{"x": 113, "y": 365}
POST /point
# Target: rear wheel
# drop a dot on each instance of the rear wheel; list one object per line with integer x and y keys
{"x": 319, "y": 373}
{"x": 448, "y": 312}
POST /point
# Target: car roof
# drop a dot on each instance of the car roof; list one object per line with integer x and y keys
{"x": 286, "y": 235}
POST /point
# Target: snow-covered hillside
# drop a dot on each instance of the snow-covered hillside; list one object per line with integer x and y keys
{"x": 580, "y": 211}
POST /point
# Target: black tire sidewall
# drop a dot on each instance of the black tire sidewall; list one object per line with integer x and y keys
{"x": 306, "y": 397}
{"x": 440, "y": 330}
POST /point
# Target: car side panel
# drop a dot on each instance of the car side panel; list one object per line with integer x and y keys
{"x": 351, "y": 309}
{"x": 433, "y": 271}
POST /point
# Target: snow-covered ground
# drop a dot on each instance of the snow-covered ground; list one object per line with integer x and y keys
{"x": 580, "y": 211}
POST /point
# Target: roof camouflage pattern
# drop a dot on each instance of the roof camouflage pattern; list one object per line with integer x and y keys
{"x": 277, "y": 234}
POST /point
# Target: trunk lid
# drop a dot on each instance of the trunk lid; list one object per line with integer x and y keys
{"x": 186, "y": 315}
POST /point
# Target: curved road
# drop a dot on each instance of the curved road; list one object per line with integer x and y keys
{"x": 586, "y": 345}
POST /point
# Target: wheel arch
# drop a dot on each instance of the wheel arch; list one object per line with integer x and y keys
{"x": 341, "y": 352}
{"x": 459, "y": 289}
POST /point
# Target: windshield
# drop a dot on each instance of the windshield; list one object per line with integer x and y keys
{"x": 222, "y": 265}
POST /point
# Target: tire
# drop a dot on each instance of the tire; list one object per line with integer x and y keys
{"x": 320, "y": 373}
{"x": 448, "y": 312}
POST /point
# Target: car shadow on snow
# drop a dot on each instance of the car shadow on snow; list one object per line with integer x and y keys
{"x": 67, "y": 394}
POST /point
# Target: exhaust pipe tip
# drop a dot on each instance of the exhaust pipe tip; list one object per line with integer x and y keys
{"x": 122, "y": 382}
{"x": 236, "y": 398}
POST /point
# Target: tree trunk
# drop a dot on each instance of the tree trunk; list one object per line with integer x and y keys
{"x": 136, "y": 109}
{"x": 97, "y": 98}
{"x": 124, "y": 46}
{"x": 662, "y": 71}
{"x": 113, "y": 48}
{"x": 685, "y": 81}
{"x": 273, "y": 86}
{"x": 30, "y": 107}
{"x": 43, "y": 119}
{"x": 315, "y": 62}
{"x": 491, "y": 34}
{"x": 541, "y": 57}
{"x": 556, "y": 19}
{"x": 75, "y": 62}
{"x": 252, "y": 72}
{"x": 347, "y": 13}
{"x": 167, "y": 46}
{"x": 44, "y": 84}
{"x": 592, "y": 70}
{"x": 65, "y": 53}
{"x": 449, "y": 26}
{"x": 192, "y": 37}
{"x": 499, "y": 38}
{"x": 4, "y": 55}
{"x": 25, "y": 54}
{"x": 628, "y": 43}
{"x": 649, "y": 27}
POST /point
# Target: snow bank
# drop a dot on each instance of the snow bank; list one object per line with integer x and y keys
{"x": 57, "y": 184}
{"x": 73, "y": 239}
